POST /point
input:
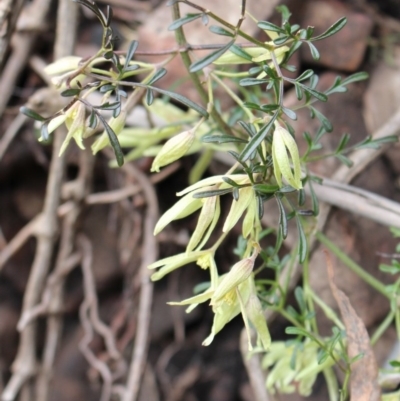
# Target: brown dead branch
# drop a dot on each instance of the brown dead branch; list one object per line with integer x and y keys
{"x": 149, "y": 255}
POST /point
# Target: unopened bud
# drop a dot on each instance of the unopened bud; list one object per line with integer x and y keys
{"x": 173, "y": 149}
{"x": 283, "y": 143}
{"x": 240, "y": 272}
{"x": 257, "y": 318}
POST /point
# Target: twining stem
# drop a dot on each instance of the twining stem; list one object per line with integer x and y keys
{"x": 181, "y": 40}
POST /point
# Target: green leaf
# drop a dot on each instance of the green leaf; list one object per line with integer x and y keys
{"x": 305, "y": 75}
{"x": 268, "y": 26}
{"x": 342, "y": 143}
{"x": 370, "y": 143}
{"x": 130, "y": 53}
{"x": 93, "y": 120}
{"x": 282, "y": 217}
{"x": 240, "y": 52}
{"x": 130, "y": 68}
{"x": 149, "y": 97}
{"x": 345, "y": 160}
{"x": 211, "y": 57}
{"x": 299, "y": 295}
{"x": 107, "y": 88}
{"x": 336, "y": 27}
{"x": 271, "y": 107}
{"x": 281, "y": 40}
{"x": 395, "y": 364}
{"x": 252, "y": 81}
{"x": 284, "y": 11}
{"x": 108, "y": 106}
{"x": 290, "y": 113}
{"x": 182, "y": 99}
{"x": 293, "y": 48}
{"x": 213, "y": 192}
{"x": 301, "y": 198}
{"x": 392, "y": 269}
{"x": 95, "y": 10}
{"x": 314, "y": 199}
{"x": 221, "y": 139}
{"x": 251, "y": 147}
{"x": 249, "y": 128}
{"x": 322, "y": 356}
{"x": 358, "y": 76}
{"x": 314, "y": 51}
{"x": 324, "y": 121}
{"x": 266, "y": 188}
{"x": 260, "y": 207}
{"x": 109, "y": 16}
{"x": 231, "y": 182}
{"x": 299, "y": 92}
{"x": 302, "y": 241}
{"x": 218, "y": 30}
{"x": 31, "y": 114}
{"x": 70, "y": 92}
{"x": 184, "y": 20}
{"x": 158, "y": 75}
{"x": 253, "y": 106}
{"x": 297, "y": 331}
{"x": 113, "y": 141}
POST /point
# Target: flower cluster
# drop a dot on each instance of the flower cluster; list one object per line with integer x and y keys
{"x": 293, "y": 367}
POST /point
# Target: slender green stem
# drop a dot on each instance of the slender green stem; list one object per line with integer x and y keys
{"x": 181, "y": 40}
{"x": 332, "y": 384}
{"x": 329, "y": 312}
{"x": 308, "y": 296}
{"x": 233, "y": 95}
{"x": 353, "y": 266}
{"x": 382, "y": 327}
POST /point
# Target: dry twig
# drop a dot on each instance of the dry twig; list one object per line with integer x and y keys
{"x": 149, "y": 255}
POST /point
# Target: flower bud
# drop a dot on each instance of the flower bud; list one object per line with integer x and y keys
{"x": 173, "y": 149}
{"x": 63, "y": 65}
{"x": 208, "y": 213}
{"x": 184, "y": 207}
{"x": 257, "y": 318}
{"x": 282, "y": 143}
{"x": 240, "y": 272}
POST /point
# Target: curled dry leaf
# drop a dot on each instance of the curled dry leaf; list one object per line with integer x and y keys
{"x": 364, "y": 372}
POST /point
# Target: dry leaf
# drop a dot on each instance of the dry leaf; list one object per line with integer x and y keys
{"x": 364, "y": 372}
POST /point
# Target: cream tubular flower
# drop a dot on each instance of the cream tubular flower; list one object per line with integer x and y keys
{"x": 183, "y": 208}
{"x": 208, "y": 219}
{"x": 76, "y": 124}
{"x": 282, "y": 144}
{"x": 240, "y": 272}
{"x": 238, "y": 207}
{"x": 168, "y": 265}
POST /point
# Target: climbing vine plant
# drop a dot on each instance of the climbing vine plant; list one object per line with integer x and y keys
{"x": 267, "y": 167}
